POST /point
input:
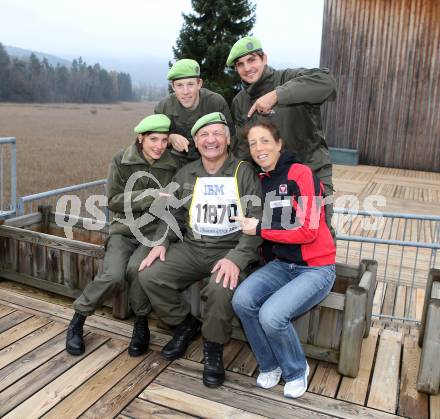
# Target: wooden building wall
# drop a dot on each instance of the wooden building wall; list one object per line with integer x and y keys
{"x": 385, "y": 56}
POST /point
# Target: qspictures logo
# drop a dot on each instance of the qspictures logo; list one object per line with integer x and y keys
{"x": 157, "y": 205}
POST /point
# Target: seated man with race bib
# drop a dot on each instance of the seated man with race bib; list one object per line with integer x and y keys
{"x": 213, "y": 188}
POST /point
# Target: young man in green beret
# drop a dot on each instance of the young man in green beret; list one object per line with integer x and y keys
{"x": 213, "y": 247}
{"x": 186, "y": 105}
{"x": 123, "y": 251}
{"x": 290, "y": 98}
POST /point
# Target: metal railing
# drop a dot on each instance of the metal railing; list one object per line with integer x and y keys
{"x": 406, "y": 246}
{"x": 8, "y": 196}
{"x": 29, "y": 203}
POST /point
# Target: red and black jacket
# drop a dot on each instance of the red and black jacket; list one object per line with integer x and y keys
{"x": 293, "y": 225}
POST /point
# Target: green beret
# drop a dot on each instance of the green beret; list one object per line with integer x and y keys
{"x": 153, "y": 123}
{"x": 184, "y": 69}
{"x": 242, "y": 47}
{"x": 210, "y": 118}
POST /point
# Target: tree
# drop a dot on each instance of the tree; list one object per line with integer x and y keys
{"x": 124, "y": 87}
{"x": 207, "y": 36}
{"x": 4, "y": 73}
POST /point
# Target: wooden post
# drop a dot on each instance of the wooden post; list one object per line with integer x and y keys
{"x": 433, "y": 276}
{"x": 428, "y": 380}
{"x": 352, "y": 331}
{"x": 45, "y": 214}
{"x": 369, "y": 265}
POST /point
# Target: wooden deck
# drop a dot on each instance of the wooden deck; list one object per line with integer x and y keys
{"x": 407, "y": 191}
{"x": 39, "y": 379}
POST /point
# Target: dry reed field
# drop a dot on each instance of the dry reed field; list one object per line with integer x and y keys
{"x": 65, "y": 144}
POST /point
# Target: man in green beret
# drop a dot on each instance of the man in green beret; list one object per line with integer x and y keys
{"x": 186, "y": 105}
{"x": 290, "y": 98}
{"x": 123, "y": 251}
{"x": 213, "y": 247}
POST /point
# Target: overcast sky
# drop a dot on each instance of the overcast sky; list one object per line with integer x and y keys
{"x": 131, "y": 30}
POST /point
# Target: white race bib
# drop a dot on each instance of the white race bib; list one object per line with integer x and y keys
{"x": 214, "y": 201}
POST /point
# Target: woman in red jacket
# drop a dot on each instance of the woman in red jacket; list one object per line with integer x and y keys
{"x": 300, "y": 262}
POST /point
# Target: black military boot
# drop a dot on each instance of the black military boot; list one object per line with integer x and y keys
{"x": 75, "y": 335}
{"x": 213, "y": 371}
{"x": 140, "y": 338}
{"x": 184, "y": 334}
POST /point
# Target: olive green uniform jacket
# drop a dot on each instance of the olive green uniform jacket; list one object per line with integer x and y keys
{"x": 182, "y": 119}
{"x": 123, "y": 253}
{"x": 123, "y": 165}
{"x": 297, "y": 114}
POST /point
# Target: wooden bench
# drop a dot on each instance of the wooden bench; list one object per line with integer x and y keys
{"x": 34, "y": 251}
{"x": 428, "y": 380}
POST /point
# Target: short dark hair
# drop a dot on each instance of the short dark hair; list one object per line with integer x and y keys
{"x": 258, "y": 52}
{"x": 270, "y": 126}
{"x": 139, "y": 145}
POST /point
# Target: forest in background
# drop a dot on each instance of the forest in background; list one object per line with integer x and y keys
{"x": 35, "y": 80}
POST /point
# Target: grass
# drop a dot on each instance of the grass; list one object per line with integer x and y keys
{"x": 65, "y": 144}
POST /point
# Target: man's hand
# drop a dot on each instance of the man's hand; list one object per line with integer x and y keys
{"x": 248, "y": 225}
{"x": 227, "y": 270}
{"x": 264, "y": 104}
{"x": 155, "y": 252}
{"x": 179, "y": 142}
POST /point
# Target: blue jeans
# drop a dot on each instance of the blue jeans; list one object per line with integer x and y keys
{"x": 268, "y": 300}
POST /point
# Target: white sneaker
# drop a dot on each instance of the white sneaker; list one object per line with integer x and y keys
{"x": 296, "y": 388}
{"x": 269, "y": 379}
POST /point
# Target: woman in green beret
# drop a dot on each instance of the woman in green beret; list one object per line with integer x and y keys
{"x": 146, "y": 166}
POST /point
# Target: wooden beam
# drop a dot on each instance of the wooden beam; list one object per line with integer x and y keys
{"x": 32, "y": 360}
{"x": 128, "y": 388}
{"x": 55, "y": 242}
{"x": 140, "y": 408}
{"x": 412, "y": 404}
{"x": 23, "y": 220}
{"x": 188, "y": 403}
{"x": 353, "y": 328}
{"x": 46, "y": 398}
{"x": 313, "y": 402}
{"x": 323, "y": 354}
{"x": 428, "y": 380}
{"x": 236, "y": 398}
{"x": 21, "y": 330}
{"x": 30, "y": 342}
{"x": 58, "y": 312}
{"x": 354, "y": 390}
{"x": 91, "y": 391}
{"x": 385, "y": 383}
{"x": 42, "y": 284}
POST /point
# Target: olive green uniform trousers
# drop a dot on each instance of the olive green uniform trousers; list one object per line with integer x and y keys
{"x": 122, "y": 258}
{"x": 184, "y": 265}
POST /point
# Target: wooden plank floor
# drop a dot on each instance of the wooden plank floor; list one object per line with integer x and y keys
{"x": 39, "y": 379}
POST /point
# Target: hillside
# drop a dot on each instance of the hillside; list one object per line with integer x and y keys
{"x": 25, "y": 53}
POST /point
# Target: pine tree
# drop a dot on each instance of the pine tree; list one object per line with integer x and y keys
{"x": 207, "y": 36}
{"x": 4, "y": 73}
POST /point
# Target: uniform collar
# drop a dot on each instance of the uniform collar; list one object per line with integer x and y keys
{"x": 262, "y": 86}
{"x": 132, "y": 156}
{"x": 226, "y": 170}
